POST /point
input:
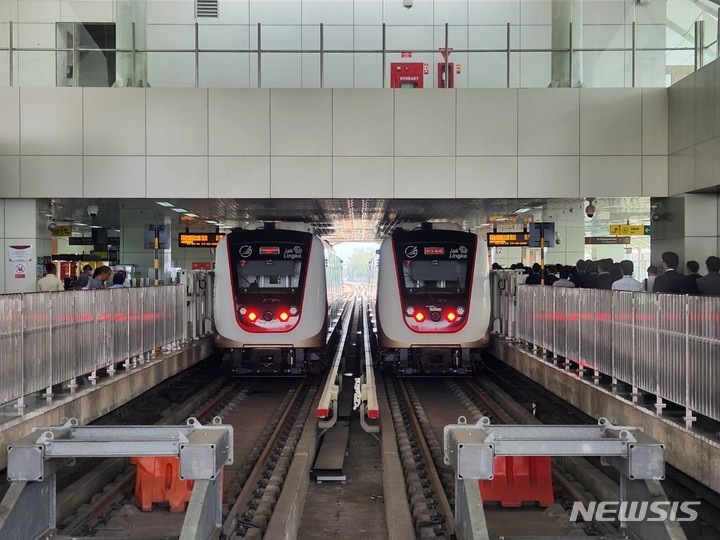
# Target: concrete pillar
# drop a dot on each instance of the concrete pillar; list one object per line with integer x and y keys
{"x": 688, "y": 225}
{"x": 565, "y": 12}
{"x": 24, "y": 235}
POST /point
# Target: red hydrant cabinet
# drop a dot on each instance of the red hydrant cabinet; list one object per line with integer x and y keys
{"x": 406, "y": 75}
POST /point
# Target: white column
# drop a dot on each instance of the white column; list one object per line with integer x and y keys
{"x": 23, "y": 225}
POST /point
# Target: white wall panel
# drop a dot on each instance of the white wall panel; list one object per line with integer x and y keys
{"x": 425, "y": 177}
{"x": 425, "y": 123}
{"x": 396, "y": 14}
{"x": 369, "y": 12}
{"x": 275, "y": 12}
{"x": 705, "y": 119}
{"x": 34, "y": 35}
{"x": 654, "y": 121}
{"x": 487, "y": 177}
{"x": 483, "y": 12}
{"x": 223, "y": 36}
{"x": 681, "y": 171}
{"x": 177, "y": 122}
{"x": 18, "y": 219}
{"x": 327, "y": 12}
{"x": 170, "y": 70}
{"x": 301, "y": 177}
{"x": 171, "y": 36}
{"x": 451, "y": 12}
{"x": 182, "y": 177}
{"x": 224, "y": 70}
{"x": 535, "y": 12}
{"x": 409, "y": 38}
{"x": 51, "y": 176}
{"x": 114, "y": 176}
{"x": 655, "y": 176}
{"x": 114, "y": 121}
{"x": 240, "y": 177}
{"x": 549, "y": 121}
{"x": 610, "y": 176}
{"x": 681, "y": 107}
{"x": 35, "y": 69}
{"x": 301, "y": 122}
{"x": 170, "y": 12}
{"x": 10, "y": 125}
{"x": 38, "y": 11}
{"x": 361, "y": 177}
{"x": 535, "y": 66}
{"x": 701, "y": 215}
{"x": 548, "y": 177}
{"x": 87, "y": 10}
{"x": 239, "y": 122}
{"x": 51, "y": 121}
{"x": 707, "y": 164}
{"x": 610, "y": 121}
{"x": 603, "y": 12}
{"x": 487, "y": 122}
{"x": 363, "y": 122}
{"x": 9, "y": 176}
{"x": 367, "y": 71}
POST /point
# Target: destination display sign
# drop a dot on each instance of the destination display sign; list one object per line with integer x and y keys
{"x": 199, "y": 239}
{"x": 508, "y": 239}
{"x": 630, "y": 230}
{"x": 607, "y": 239}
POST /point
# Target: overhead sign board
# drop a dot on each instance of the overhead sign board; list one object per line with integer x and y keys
{"x": 607, "y": 239}
{"x": 544, "y": 230}
{"x": 507, "y": 239}
{"x": 199, "y": 239}
{"x": 62, "y": 230}
{"x": 630, "y": 230}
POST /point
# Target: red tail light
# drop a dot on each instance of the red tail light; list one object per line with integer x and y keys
{"x": 451, "y": 316}
{"x": 283, "y": 316}
{"x": 419, "y": 316}
{"x": 252, "y": 316}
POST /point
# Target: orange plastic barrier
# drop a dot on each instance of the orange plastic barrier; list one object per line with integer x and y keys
{"x": 519, "y": 479}
{"x": 158, "y": 481}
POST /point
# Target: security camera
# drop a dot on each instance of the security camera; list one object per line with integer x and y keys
{"x": 408, "y": 3}
{"x": 656, "y": 217}
{"x": 52, "y": 226}
{"x": 92, "y": 210}
{"x": 590, "y": 208}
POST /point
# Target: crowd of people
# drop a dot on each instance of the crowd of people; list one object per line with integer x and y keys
{"x": 618, "y": 276}
{"x": 88, "y": 279}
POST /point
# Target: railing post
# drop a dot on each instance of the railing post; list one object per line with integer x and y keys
{"x": 75, "y": 56}
{"x": 197, "y": 61}
{"x": 322, "y": 57}
{"x": 659, "y": 405}
{"x": 259, "y": 57}
{"x": 689, "y": 418}
{"x": 384, "y": 55}
{"x": 133, "y": 56}
{"x": 446, "y": 79}
{"x": 699, "y": 43}
{"x": 634, "y": 51}
{"x": 507, "y": 56}
{"x": 10, "y": 49}
{"x": 570, "y": 52}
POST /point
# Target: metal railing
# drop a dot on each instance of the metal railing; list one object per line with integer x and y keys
{"x": 663, "y": 344}
{"x": 698, "y": 49}
{"x": 52, "y": 338}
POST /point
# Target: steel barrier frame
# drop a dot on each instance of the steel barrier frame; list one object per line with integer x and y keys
{"x": 52, "y": 338}
{"x": 662, "y": 344}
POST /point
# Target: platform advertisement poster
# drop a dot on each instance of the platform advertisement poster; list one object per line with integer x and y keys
{"x": 20, "y": 253}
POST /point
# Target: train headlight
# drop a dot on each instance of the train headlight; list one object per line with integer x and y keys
{"x": 293, "y": 310}
{"x": 451, "y": 316}
{"x": 284, "y": 316}
{"x": 243, "y": 310}
{"x": 409, "y": 311}
{"x": 252, "y": 316}
{"x": 460, "y": 311}
{"x": 419, "y": 316}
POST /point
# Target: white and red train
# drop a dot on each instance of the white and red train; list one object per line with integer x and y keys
{"x": 433, "y": 300}
{"x": 278, "y": 293}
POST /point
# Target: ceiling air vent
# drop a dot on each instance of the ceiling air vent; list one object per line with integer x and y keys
{"x": 206, "y": 8}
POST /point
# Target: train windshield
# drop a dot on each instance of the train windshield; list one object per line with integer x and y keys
{"x": 270, "y": 267}
{"x": 437, "y": 269}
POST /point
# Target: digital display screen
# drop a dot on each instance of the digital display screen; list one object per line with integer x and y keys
{"x": 434, "y": 251}
{"x": 264, "y": 250}
{"x": 199, "y": 239}
{"x": 496, "y": 239}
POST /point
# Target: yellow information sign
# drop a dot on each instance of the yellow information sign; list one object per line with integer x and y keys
{"x": 63, "y": 230}
{"x": 628, "y": 230}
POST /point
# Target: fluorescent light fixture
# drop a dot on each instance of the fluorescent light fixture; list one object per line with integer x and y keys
{"x": 212, "y": 222}
{"x": 501, "y": 219}
{"x": 179, "y": 210}
{"x": 191, "y": 215}
{"x": 165, "y": 204}
{"x": 522, "y": 210}
{"x": 95, "y": 227}
{"x": 80, "y": 224}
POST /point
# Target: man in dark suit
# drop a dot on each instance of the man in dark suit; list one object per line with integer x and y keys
{"x": 709, "y": 285}
{"x": 604, "y": 279}
{"x": 671, "y": 281}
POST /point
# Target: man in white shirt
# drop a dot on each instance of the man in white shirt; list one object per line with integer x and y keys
{"x": 627, "y": 282}
{"x": 50, "y": 282}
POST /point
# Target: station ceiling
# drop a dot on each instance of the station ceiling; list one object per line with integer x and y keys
{"x": 339, "y": 220}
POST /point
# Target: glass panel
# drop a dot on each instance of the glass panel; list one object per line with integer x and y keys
{"x": 224, "y": 70}
{"x": 338, "y": 70}
{"x": 35, "y": 68}
{"x": 368, "y": 71}
{"x": 171, "y": 70}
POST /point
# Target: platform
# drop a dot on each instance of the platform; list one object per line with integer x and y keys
{"x": 87, "y": 403}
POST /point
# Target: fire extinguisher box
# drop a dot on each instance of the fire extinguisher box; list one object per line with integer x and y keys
{"x": 406, "y": 75}
{"x": 441, "y": 75}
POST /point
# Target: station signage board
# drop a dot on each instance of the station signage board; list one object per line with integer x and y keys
{"x": 605, "y": 240}
{"x": 630, "y": 230}
{"x": 199, "y": 239}
{"x": 508, "y": 239}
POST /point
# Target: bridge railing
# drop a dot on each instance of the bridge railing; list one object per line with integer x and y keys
{"x": 53, "y": 337}
{"x": 663, "y": 344}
